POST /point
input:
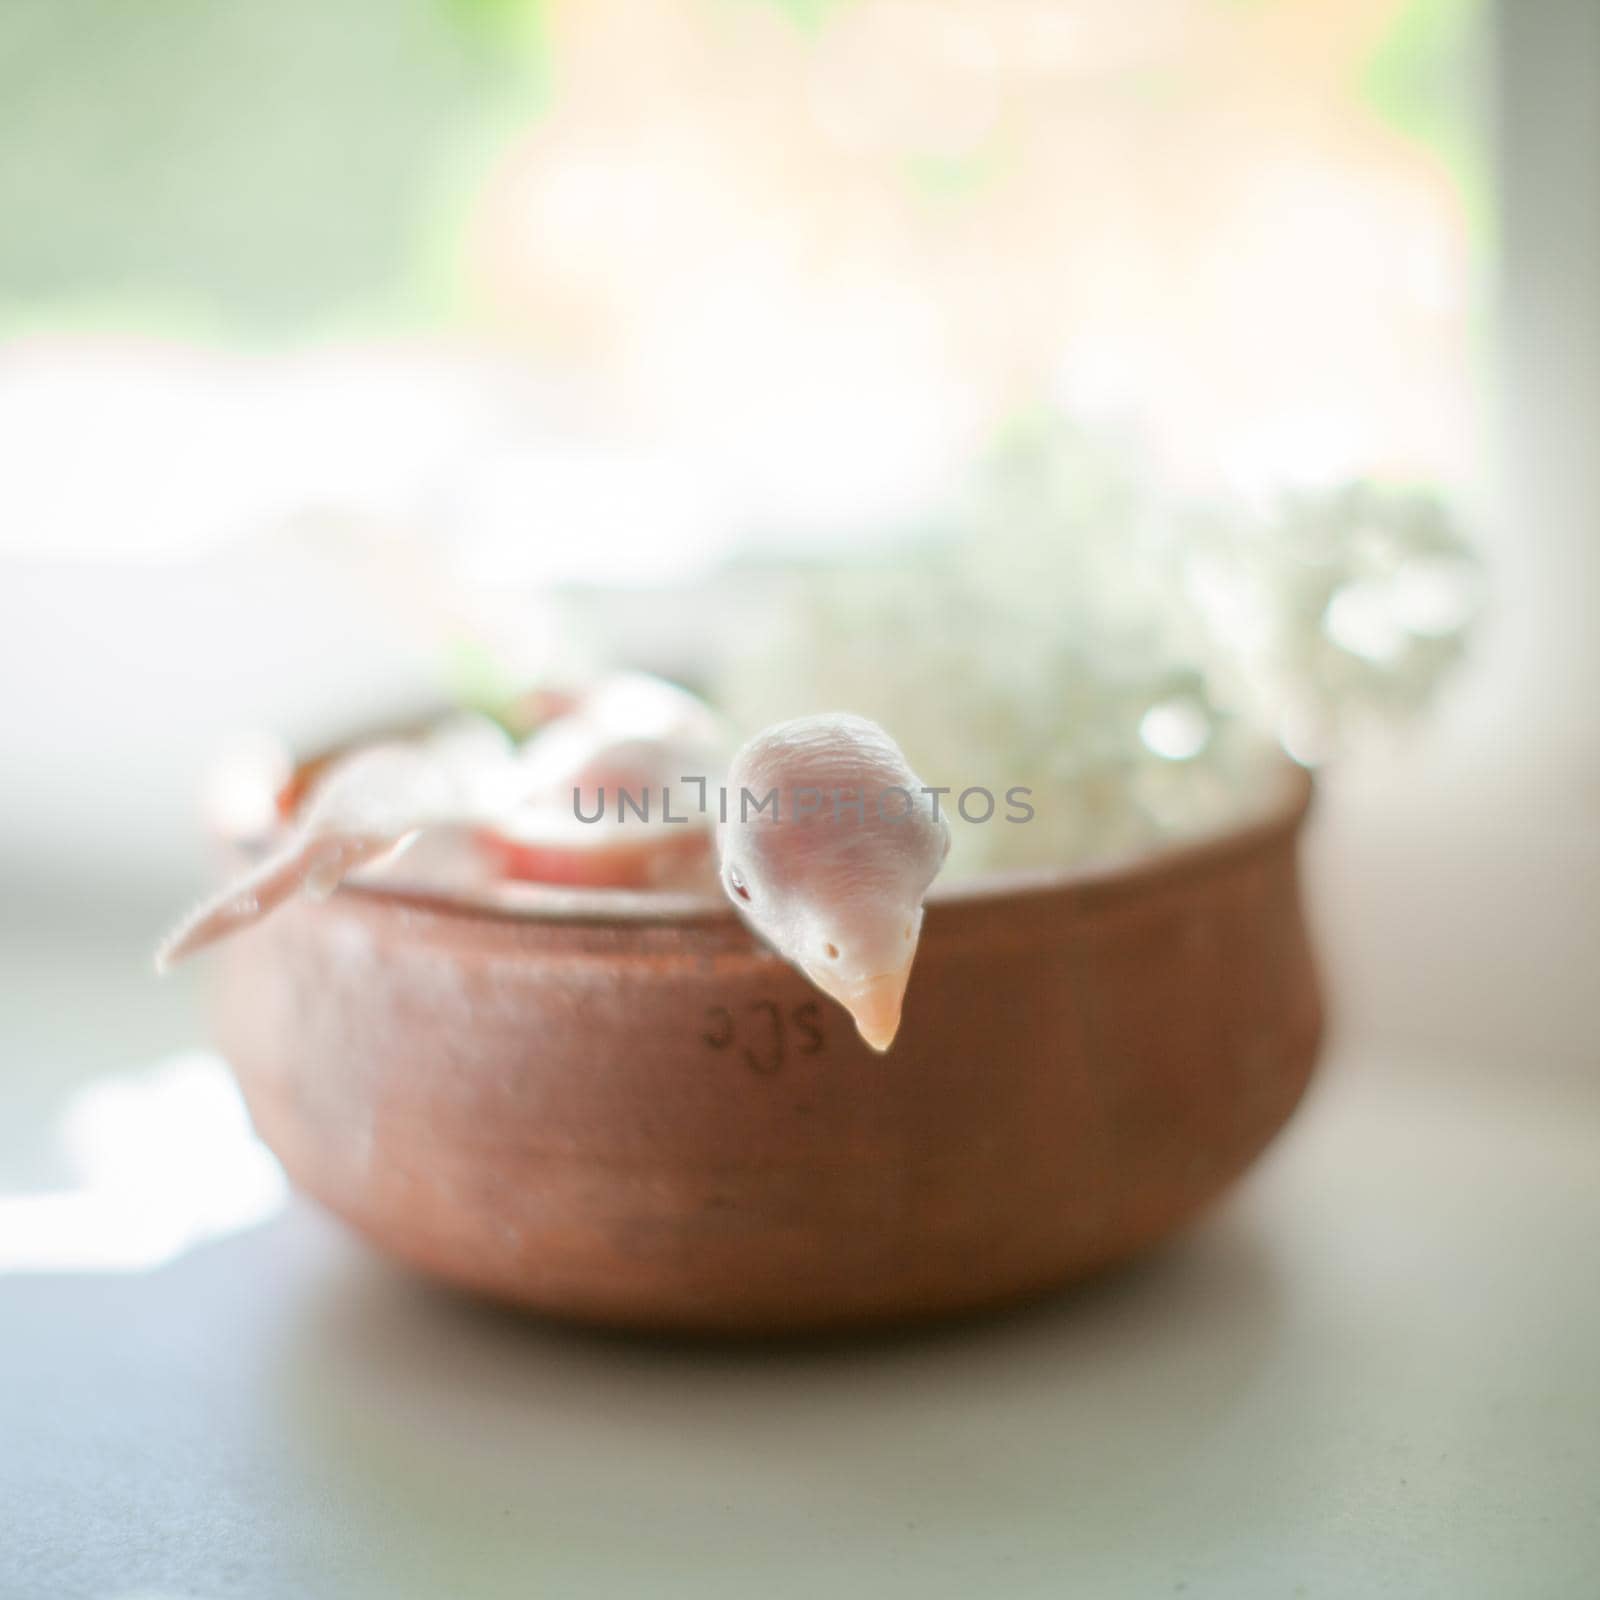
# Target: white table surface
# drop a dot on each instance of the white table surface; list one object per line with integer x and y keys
{"x": 1375, "y": 1370}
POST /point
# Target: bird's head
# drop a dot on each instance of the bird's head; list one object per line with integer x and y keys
{"x": 829, "y": 847}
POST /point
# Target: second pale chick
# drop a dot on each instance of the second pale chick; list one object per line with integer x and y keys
{"x": 829, "y": 846}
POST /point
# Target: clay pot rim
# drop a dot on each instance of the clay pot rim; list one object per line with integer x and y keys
{"x": 1110, "y": 877}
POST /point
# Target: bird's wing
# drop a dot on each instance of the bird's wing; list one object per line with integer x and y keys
{"x": 315, "y": 864}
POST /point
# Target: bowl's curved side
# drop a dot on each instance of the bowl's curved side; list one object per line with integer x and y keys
{"x": 663, "y": 1125}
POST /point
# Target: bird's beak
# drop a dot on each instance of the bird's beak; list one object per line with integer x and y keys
{"x": 875, "y": 1005}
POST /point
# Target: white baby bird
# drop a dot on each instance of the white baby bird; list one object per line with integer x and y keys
{"x": 830, "y": 843}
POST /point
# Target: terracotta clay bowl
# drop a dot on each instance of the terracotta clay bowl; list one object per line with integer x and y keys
{"x": 620, "y": 1108}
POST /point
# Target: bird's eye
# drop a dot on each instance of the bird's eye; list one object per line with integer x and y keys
{"x": 831, "y": 951}
{"x": 737, "y": 884}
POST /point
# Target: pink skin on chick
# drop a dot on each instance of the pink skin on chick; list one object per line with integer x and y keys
{"x": 833, "y": 873}
{"x": 373, "y": 803}
{"x": 367, "y": 809}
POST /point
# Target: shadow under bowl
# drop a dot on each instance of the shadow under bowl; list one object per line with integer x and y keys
{"x": 621, "y": 1108}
